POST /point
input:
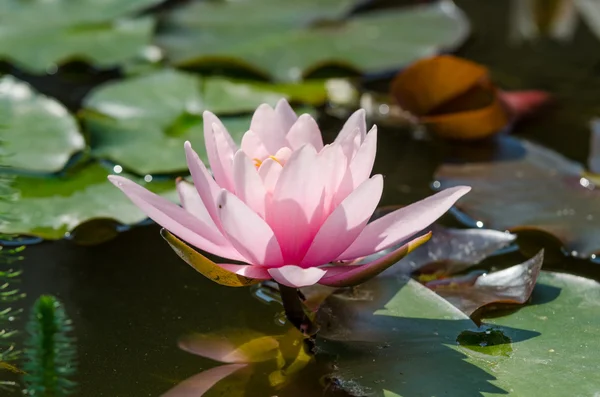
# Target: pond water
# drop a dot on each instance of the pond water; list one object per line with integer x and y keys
{"x": 131, "y": 298}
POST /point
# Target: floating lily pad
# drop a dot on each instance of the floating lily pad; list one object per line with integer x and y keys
{"x": 414, "y": 343}
{"x": 38, "y": 35}
{"x": 289, "y": 42}
{"x": 527, "y": 186}
{"x": 51, "y": 208}
{"x": 38, "y": 133}
{"x": 142, "y": 123}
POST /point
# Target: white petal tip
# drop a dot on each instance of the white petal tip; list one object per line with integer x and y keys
{"x": 187, "y": 145}
{"x": 295, "y": 276}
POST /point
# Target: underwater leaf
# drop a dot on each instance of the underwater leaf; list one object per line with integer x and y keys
{"x": 52, "y": 207}
{"x": 231, "y": 347}
{"x": 526, "y": 186}
{"x": 141, "y": 123}
{"x": 205, "y": 266}
{"x": 408, "y": 343}
{"x": 38, "y": 134}
{"x": 50, "y": 350}
{"x": 509, "y": 286}
{"x": 38, "y": 35}
{"x": 287, "y": 43}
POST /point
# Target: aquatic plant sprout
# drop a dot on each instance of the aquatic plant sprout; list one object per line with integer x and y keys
{"x": 289, "y": 207}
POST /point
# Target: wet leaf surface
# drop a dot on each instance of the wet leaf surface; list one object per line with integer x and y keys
{"x": 524, "y": 186}
{"x": 51, "y": 208}
{"x": 38, "y": 134}
{"x": 141, "y": 123}
{"x": 38, "y": 35}
{"x": 289, "y": 42}
{"x": 509, "y": 286}
{"x": 394, "y": 344}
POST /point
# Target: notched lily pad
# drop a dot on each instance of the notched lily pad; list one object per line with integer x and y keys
{"x": 288, "y": 43}
{"x": 141, "y": 123}
{"x": 530, "y": 187}
{"x": 38, "y": 35}
{"x": 38, "y": 134}
{"x": 51, "y": 208}
{"x": 512, "y": 286}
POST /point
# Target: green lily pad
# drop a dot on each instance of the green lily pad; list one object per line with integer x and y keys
{"x": 287, "y": 43}
{"x": 38, "y": 134}
{"x": 414, "y": 343}
{"x": 51, "y": 208}
{"x": 142, "y": 123}
{"x": 526, "y": 186}
{"x": 38, "y": 35}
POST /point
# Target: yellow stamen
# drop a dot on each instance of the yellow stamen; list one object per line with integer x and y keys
{"x": 258, "y": 163}
{"x": 274, "y": 158}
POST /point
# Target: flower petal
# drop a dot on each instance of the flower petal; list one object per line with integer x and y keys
{"x": 253, "y": 146}
{"x": 269, "y": 172}
{"x": 177, "y": 220}
{"x": 224, "y": 274}
{"x": 220, "y": 148}
{"x": 248, "y": 184}
{"x": 207, "y": 188}
{"x": 356, "y": 121}
{"x": 360, "y": 167}
{"x": 199, "y": 384}
{"x": 345, "y": 223}
{"x": 305, "y": 130}
{"x": 248, "y": 232}
{"x": 295, "y": 276}
{"x": 402, "y": 223}
{"x": 295, "y": 212}
{"x": 286, "y": 114}
{"x": 348, "y": 276}
{"x": 334, "y": 166}
{"x": 192, "y": 203}
{"x": 269, "y": 128}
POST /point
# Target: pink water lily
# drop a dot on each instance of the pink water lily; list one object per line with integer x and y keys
{"x": 290, "y": 208}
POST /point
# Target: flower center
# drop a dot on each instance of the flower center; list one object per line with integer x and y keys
{"x": 257, "y": 162}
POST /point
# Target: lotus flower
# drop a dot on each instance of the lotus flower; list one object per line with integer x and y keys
{"x": 290, "y": 208}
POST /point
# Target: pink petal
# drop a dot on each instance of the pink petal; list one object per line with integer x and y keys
{"x": 402, "y": 223}
{"x": 286, "y": 114}
{"x": 253, "y": 146}
{"x": 296, "y": 277}
{"x": 199, "y": 384}
{"x": 206, "y": 186}
{"x": 248, "y": 184}
{"x": 192, "y": 203}
{"x": 220, "y": 149}
{"x": 360, "y": 167}
{"x": 348, "y": 276}
{"x": 269, "y": 128}
{"x": 295, "y": 212}
{"x": 356, "y": 121}
{"x": 305, "y": 131}
{"x": 177, "y": 220}
{"x": 269, "y": 172}
{"x": 283, "y": 155}
{"x": 248, "y": 232}
{"x": 345, "y": 223}
{"x": 333, "y": 165}
{"x": 250, "y": 271}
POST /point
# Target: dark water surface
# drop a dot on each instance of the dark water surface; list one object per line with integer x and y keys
{"x": 131, "y": 298}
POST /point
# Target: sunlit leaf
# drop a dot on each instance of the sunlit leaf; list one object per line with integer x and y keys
{"x": 38, "y": 134}
{"x": 205, "y": 266}
{"x": 527, "y": 186}
{"x": 141, "y": 123}
{"x": 412, "y": 342}
{"x": 38, "y": 35}
{"x": 290, "y": 42}
{"x": 509, "y": 286}
{"x": 51, "y": 208}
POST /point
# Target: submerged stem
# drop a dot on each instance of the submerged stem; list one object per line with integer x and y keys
{"x": 294, "y": 310}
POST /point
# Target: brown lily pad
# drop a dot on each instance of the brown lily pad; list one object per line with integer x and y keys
{"x": 528, "y": 187}
{"x": 513, "y": 285}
